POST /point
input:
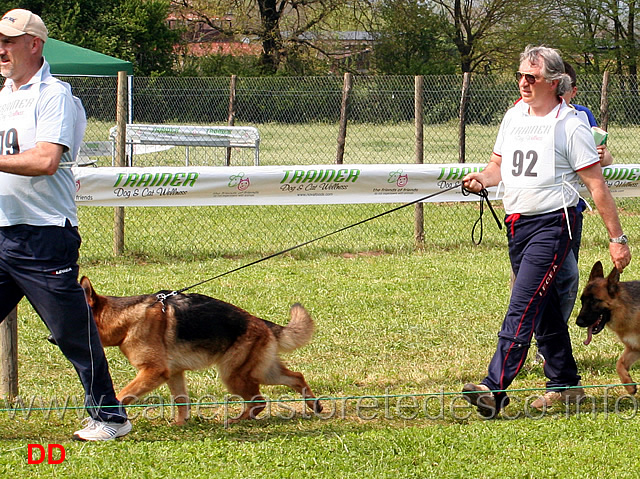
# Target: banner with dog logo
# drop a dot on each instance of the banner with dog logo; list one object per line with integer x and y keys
{"x": 295, "y": 185}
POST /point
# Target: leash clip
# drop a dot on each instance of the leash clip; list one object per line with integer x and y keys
{"x": 160, "y": 297}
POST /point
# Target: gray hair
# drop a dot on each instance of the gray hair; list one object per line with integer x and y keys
{"x": 551, "y": 66}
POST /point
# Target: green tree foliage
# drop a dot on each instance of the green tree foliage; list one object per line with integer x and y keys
{"x": 482, "y": 28}
{"x": 132, "y": 30}
{"x": 621, "y": 15}
{"x": 149, "y": 42}
{"x": 298, "y": 37}
{"x": 281, "y": 27}
{"x": 412, "y": 40}
{"x": 581, "y": 34}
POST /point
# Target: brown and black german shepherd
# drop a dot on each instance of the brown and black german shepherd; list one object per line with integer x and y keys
{"x": 608, "y": 301}
{"x": 162, "y": 340}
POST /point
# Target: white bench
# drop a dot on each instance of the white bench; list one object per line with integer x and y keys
{"x": 89, "y": 149}
{"x": 159, "y": 137}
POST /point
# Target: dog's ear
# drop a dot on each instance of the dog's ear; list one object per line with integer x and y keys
{"x": 88, "y": 290}
{"x": 85, "y": 283}
{"x": 596, "y": 271}
{"x": 613, "y": 282}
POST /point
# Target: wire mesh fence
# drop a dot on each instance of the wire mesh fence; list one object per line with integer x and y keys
{"x": 302, "y": 121}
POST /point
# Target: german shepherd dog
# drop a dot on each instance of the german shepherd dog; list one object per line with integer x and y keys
{"x": 608, "y": 301}
{"x": 185, "y": 332}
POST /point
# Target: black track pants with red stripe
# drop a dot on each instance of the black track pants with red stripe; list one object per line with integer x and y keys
{"x": 538, "y": 246}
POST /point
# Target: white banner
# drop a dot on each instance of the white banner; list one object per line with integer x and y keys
{"x": 294, "y": 185}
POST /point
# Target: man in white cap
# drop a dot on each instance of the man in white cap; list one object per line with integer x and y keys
{"x": 41, "y": 127}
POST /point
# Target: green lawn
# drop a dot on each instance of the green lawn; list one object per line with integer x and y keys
{"x": 308, "y": 144}
{"x": 397, "y": 336}
{"x": 399, "y": 331}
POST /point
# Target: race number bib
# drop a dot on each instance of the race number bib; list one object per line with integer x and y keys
{"x": 17, "y": 111}
{"x": 528, "y": 153}
{"x": 9, "y": 142}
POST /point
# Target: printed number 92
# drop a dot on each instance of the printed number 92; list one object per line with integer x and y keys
{"x": 524, "y": 163}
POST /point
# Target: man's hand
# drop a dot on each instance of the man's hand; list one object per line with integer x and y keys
{"x": 473, "y": 182}
{"x": 620, "y": 255}
{"x": 605, "y": 155}
{"x": 489, "y": 176}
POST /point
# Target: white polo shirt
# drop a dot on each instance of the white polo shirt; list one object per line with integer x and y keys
{"x": 540, "y": 158}
{"x": 43, "y": 110}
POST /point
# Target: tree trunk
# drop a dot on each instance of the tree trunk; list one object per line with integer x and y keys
{"x": 272, "y": 40}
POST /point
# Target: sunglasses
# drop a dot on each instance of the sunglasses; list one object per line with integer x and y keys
{"x": 531, "y": 79}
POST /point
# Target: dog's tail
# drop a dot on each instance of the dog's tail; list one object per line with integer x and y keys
{"x": 298, "y": 332}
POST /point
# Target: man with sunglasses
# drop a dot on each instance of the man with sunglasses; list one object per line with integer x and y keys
{"x": 542, "y": 149}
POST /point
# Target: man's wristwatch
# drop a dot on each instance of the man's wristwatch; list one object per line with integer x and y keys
{"x": 622, "y": 239}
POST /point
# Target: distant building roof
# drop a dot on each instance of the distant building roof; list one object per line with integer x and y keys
{"x": 349, "y": 35}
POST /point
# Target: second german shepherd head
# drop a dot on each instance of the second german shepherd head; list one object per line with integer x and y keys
{"x": 596, "y": 300}
{"x": 608, "y": 301}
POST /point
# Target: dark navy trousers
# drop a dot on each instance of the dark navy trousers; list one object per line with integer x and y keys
{"x": 40, "y": 262}
{"x": 538, "y": 246}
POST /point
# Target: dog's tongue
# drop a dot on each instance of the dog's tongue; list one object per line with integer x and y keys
{"x": 589, "y": 336}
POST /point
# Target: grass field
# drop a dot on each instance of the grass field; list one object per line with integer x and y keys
{"x": 399, "y": 331}
{"x": 316, "y": 143}
{"x": 397, "y": 336}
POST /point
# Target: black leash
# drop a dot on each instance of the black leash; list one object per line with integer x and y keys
{"x": 484, "y": 196}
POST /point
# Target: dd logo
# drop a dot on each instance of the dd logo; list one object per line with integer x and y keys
{"x": 48, "y": 454}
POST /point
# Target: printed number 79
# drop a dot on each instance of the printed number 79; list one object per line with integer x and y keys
{"x": 9, "y": 142}
{"x": 519, "y": 160}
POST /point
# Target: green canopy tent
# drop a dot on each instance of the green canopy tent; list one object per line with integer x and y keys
{"x": 68, "y": 59}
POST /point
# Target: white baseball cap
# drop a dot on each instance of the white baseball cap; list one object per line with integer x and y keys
{"x": 19, "y": 21}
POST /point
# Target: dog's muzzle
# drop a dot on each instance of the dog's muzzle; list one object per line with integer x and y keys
{"x": 595, "y": 327}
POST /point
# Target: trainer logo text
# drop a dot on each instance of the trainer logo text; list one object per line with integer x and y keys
{"x": 131, "y": 185}
{"x": 342, "y": 175}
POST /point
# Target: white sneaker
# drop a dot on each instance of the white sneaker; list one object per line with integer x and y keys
{"x": 101, "y": 431}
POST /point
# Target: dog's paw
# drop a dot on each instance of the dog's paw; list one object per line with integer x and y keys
{"x": 631, "y": 389}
